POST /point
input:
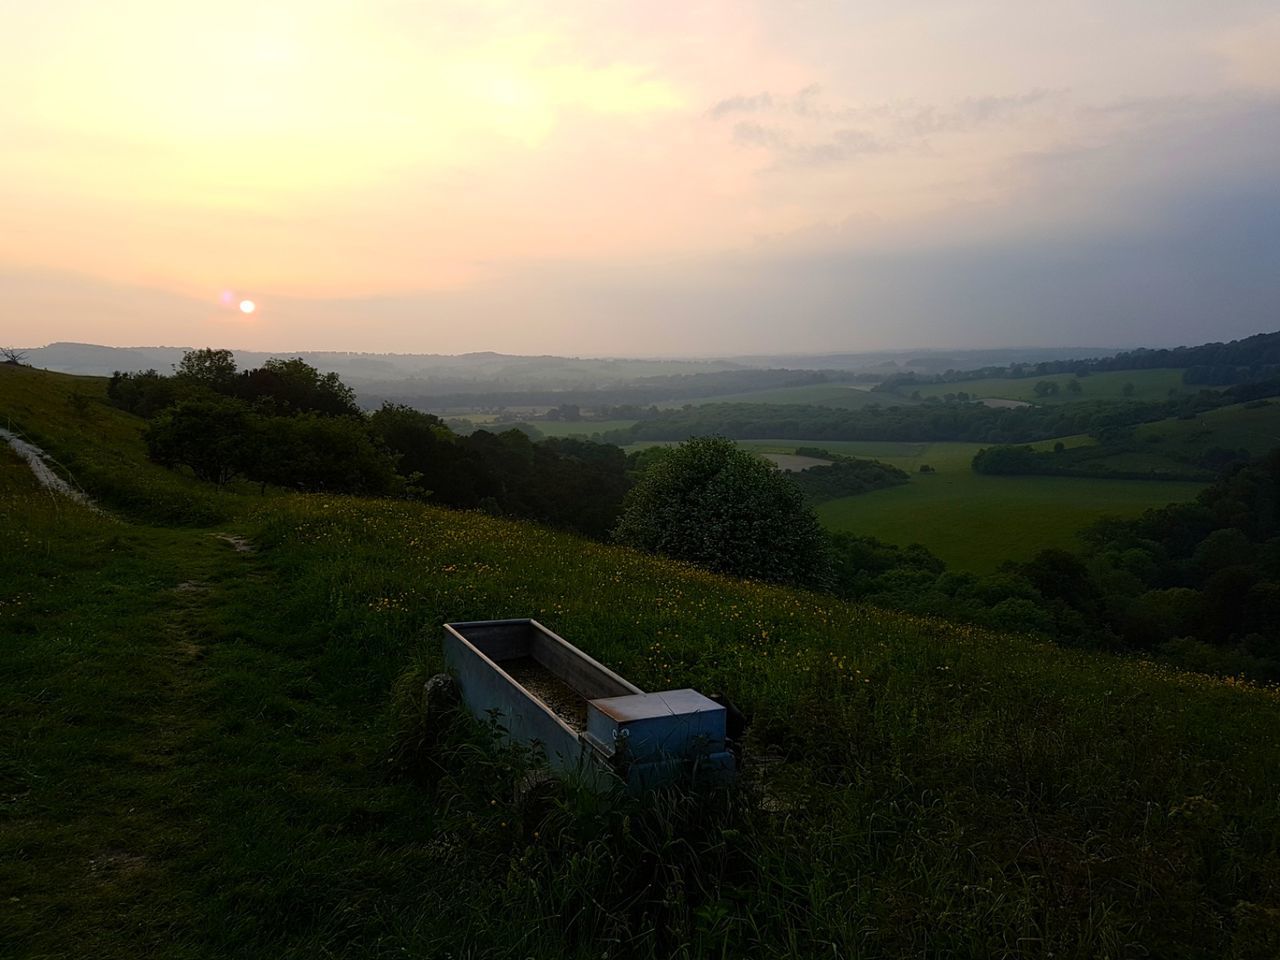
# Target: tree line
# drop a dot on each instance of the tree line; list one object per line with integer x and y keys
{"x": 1216, "y": 364}
{"x": 286, "y": 424}
{"x": 962, "y": 421}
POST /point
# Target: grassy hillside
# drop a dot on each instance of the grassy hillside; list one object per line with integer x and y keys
{"x": 1249, "y": 426}
{"x": 1176, "y": 445}
{"x": 194, "y": 747}
{"x": 1147, "y": 385}
{"x": 101, "y": 448}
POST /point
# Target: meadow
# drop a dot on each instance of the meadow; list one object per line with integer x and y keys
{"x": 211, "y": 752}
{"x": 974, "y": 522}
{"x": 1254, "y": 427}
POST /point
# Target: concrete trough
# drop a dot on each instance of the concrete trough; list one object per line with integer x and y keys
{"x": 582, "y": 715}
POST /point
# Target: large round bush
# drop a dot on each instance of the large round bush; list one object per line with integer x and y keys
{"x": 726, "y": 509}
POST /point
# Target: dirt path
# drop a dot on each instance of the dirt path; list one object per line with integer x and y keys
{"x": 37, "y": 461}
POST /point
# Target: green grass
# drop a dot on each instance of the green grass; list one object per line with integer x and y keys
{"x": 1254, "y": 427}
{"x": 101, "y": 449}
{"x": 194, "y": 749}
{"x": 1147, "y": 385}
{"x": 975, "y": 522}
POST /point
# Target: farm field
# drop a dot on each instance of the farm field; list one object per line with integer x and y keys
{"x": 976, "y": 522}
{"x": 1147, "y": 385}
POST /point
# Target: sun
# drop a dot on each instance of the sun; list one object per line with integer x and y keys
{"x": 247, "y": 306}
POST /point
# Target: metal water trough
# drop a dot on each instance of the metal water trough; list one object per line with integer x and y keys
{"x": 583, "y": 716}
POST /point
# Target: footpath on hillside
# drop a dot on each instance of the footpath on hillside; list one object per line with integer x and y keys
{"x": 38, "y": 461}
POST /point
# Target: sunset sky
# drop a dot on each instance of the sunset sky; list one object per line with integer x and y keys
{"x": 638, "y": 178}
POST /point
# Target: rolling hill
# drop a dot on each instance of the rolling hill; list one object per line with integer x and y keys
{"x": 212, "y": 744}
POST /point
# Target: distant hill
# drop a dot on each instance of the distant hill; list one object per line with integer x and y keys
{"x": 95, "y": 360}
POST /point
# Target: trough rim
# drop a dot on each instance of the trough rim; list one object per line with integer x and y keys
{"x": 456, "y": 627}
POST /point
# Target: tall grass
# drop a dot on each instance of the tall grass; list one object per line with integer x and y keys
{"x": 205, "y": 753}
{"x": 930, "y": 789}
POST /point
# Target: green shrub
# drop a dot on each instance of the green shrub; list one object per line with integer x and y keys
{"x": 723, "y": 508}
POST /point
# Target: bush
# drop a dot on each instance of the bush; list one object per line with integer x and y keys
{"x": 211, "y": 436}
{"x": 313, "y": 452}
{"x": 723, "y": 508}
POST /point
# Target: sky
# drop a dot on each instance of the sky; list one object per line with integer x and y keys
{"x": 591, "y": 177}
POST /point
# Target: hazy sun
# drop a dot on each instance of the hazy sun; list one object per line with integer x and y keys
{"x": 247, "y": 306}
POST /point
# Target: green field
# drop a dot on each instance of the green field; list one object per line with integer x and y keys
{"x": 1249, "y": 426}
{"x": 207, "y": 752}
{"x": 976, "y": 522}
{"x": 1147, "y": 385}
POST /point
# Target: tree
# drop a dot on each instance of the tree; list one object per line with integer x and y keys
{"x": 13, "y": 357}
{"x": 711, "y": 503}
{"x": 317, "y": 453}
{"x": 1127, "y": 390}
{"x": 144, "y": 394}
{"x": 294, "y": 386}
{"x": 1073, "y": 386}
{"x": 1046, "y": 388}
{"x": 215, "y": 369}
{"x": 211, "y": 435}
{"x": 432, "y": 457}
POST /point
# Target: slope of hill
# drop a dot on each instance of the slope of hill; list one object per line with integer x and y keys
{"x": 194, "y": 745}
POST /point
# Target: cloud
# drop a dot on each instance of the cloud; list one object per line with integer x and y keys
{"x": 751, "y": 134}
{"x": 731, "y": 105}
{"x": 838, "y": 147}
{"x": 804, "y": 130}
